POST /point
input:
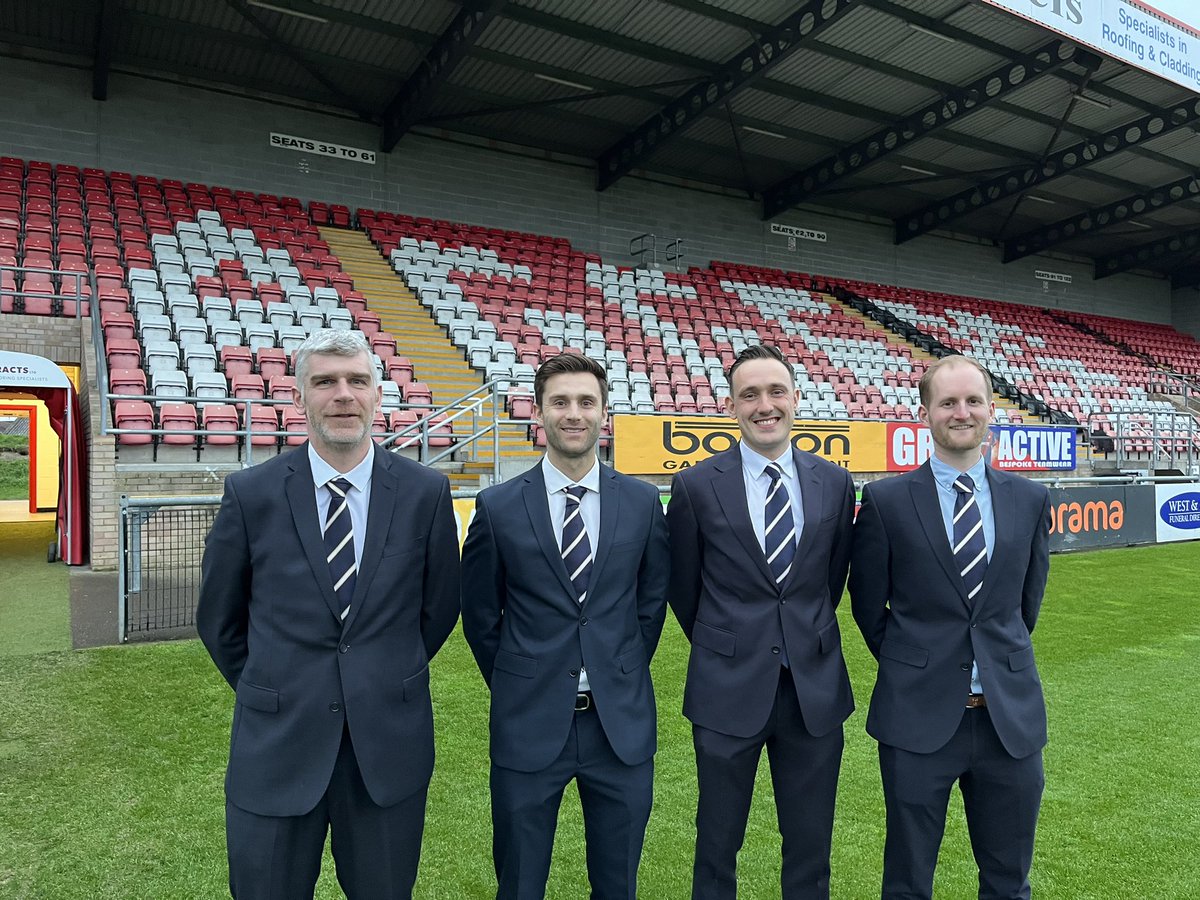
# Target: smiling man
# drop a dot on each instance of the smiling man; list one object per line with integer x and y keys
{"x": 564, "y": 580}
{"x": 948, "y": 572}
{"x": 330, "y": 579}
{"x": 760, "y": 544}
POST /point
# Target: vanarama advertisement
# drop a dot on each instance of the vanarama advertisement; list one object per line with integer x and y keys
{"x": 1086, "y": 517}
{"x": 662, "y": 445}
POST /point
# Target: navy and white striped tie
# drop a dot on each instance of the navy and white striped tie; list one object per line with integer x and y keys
{"x": 780, "y": 526}
{"x": 339, "y": 543}
{"x": 576, "y": 549}
{"x": 970, "y": 549}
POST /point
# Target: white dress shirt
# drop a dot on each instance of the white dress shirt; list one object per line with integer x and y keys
{"x": 589, "y": 508}
{"x": 358, "y": 499}
{"x": 758, "y": 483}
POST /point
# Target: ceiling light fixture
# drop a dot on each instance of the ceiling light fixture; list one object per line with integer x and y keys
{"x": 1136, "y": 224}
{"x": 287, "y": 11}
{"x": 1036, "y": 199}
{"x": 764, "y": 132}
{"x": 1094, "y": 101}
{"x": 918, "y": 171}
{"x": 932, "y": 33}
{"x": 564, "y": 82}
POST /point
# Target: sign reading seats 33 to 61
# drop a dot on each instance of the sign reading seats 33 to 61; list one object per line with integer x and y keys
{"x": 322, "y": 148}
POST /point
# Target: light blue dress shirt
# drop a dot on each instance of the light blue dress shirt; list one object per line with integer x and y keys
{"x": 359, "y": 498}
{"x": 944, "y": 475}
{"x": 589, "y": 508}
{"x": 758, "y": 483}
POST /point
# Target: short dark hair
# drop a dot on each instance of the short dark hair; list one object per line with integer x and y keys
{"x": 760, "y": 351}
{"x": 569, "y": 363}
{"x": 953, "y": 359}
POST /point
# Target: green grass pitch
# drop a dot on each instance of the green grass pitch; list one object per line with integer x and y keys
{"x": 111, "y": 764}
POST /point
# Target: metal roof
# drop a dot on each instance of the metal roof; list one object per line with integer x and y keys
{"x": 848, "y": 105}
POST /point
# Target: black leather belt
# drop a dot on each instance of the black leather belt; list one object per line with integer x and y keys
{"x": 583, "y": 701}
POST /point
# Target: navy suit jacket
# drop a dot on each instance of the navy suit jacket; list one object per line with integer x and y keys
{"x": 530, "y": 636}
{"x": 269, "y": 618}
{"x": 911, "y": 606}
{"x": 736, "y": 617}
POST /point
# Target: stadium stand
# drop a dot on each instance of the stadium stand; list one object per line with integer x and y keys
{"x": 205, "y": 292}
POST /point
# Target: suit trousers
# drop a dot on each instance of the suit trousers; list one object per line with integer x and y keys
{"x": 1001, "y": 796}
{"x": 804, "y": 773}
{"x": 616, "y": 800}
{"x": 376, "y": 849}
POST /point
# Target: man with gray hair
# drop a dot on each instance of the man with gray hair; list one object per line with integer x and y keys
{"x": 330, "y": 579}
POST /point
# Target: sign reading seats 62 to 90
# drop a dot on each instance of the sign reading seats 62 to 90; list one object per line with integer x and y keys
{"x": 322, "y": 148}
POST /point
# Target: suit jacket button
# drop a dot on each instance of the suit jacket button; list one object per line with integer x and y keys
{"x": 335, "y": 706}
{"x": 574, "y": 673}
{"x": 774, "y": 649}
{"x": 343, "y": 648}
{"x": 583, "y": 620}
{"x": 965, "y": 666}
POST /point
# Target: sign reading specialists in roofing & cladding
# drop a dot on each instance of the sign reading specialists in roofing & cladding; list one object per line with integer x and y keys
{"x": 1178, "y": 507}
{"x": 322, "y": 148}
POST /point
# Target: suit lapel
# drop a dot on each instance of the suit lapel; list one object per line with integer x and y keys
{"x": 730, "y": 488}
{"x": 923, "y": 488}
{"x": 302, "y": 499}
{"x": 610, "y": 511}
{"x": 1003, "y": 513}
{"x": 538, "y": 510}
{"x": 380, "y": 510}
{"x": 812, "y": 501}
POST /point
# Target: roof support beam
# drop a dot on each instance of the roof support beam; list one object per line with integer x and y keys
{"x": 299, "y": 59}
{"x": 774, "y": 45}
{"x": 955, "y": 105}
{"x": 106, "y": 26}
{"x": 1093, "y": 220}
{"x": 1064, "y": 162}
{"x": 454, "y": 44}
{"x": 1148, "y": 255}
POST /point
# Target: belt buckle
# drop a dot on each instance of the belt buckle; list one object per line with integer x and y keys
{"x": 583, "y": 701}
{"x": 976, "y": 701}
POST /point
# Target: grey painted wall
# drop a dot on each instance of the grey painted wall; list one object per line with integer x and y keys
{"x": 167, "y": 130}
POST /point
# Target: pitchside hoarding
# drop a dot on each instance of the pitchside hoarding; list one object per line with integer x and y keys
{"x": 1177, "y": 512}
{"x": 1083, "y": 518}
{"x": 662, "y": 445}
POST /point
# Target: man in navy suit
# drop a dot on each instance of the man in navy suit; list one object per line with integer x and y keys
{"x": 760, "y": 544}
{"x": 948, "y": 572}
{"x": 564, "y": 575}
{"x": 330, "y": 579}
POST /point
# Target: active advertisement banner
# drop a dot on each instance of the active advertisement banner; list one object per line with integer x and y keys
{"x": 1013, "y": 448}
{"x": 1177, "y": 512}
{"x": 657, "y": 445}
{"x": 662, "y": 445}
{"x": 1082, "y": 518}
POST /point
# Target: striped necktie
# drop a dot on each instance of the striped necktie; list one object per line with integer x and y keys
{"x": 970, "y": 549}
{"x": 780, "y": 527}
{"x": 576, "y": 549}
{"x": 339, "y": 543}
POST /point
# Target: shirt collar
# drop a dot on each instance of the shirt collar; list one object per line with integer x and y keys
{"x": 755, "y": 463}
{"x": 944, "y": 473}
{"x": 556, "y": 480}
{"x": 323, "y": 472}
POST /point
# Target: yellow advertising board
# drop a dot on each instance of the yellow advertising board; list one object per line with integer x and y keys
{"x": 662, "y": 445}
